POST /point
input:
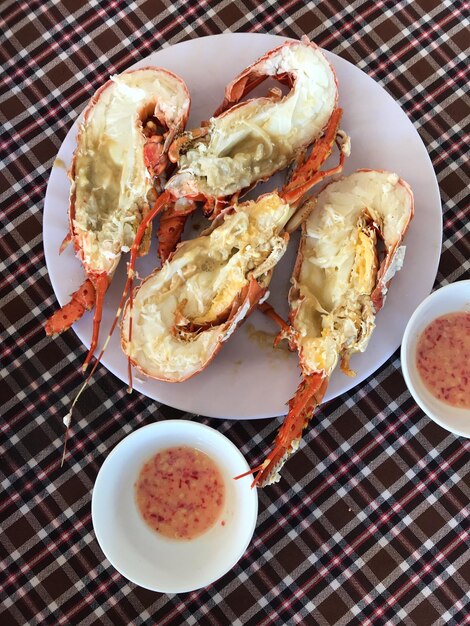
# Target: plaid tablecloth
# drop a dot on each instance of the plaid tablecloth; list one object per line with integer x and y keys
{"x": 370, "y": 524}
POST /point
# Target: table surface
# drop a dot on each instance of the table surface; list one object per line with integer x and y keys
{"x": 370, "y": 523}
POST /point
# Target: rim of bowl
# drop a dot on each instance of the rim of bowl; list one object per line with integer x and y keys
{"x": 405, "y": 353}
{"x": 197, "y": 426}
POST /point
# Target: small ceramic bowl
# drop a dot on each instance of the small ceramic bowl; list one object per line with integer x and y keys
{"x": 449, "y": 299}
{"x": 143, "y": 556}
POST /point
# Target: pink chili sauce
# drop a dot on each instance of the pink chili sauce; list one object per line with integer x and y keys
{"x": 180, "y": 493}
{"x": 443, "y": 358}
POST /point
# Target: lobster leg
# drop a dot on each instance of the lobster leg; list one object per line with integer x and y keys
{"x": 268, "y": 310}
{"x": 67, "y": 239}
{"x": 82, "y": 300}
{"x": 170, "y": 229}
{"x": 309, "y": 174}
{"x": 163, "y": 201}
{"x": 101, "y": 285}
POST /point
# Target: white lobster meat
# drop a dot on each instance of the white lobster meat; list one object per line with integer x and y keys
{"x": 111, "y": 174}
{"x": 110, "y": 179}
{"x": 338, "y": 286}
{"x": 247, "y": 142}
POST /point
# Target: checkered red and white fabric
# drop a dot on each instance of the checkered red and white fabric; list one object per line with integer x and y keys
{"x": 371, "y": 522}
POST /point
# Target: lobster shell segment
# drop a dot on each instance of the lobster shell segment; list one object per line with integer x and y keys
{"x": 109, "y": 174}
{"x": 249, "y": 141}
{"x": 184, "y": 312}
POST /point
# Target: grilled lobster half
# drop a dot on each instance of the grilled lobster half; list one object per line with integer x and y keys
{"x": 247, "y": 142}
{"x": 122, "y": 146}
{"x": 339, "y": 284}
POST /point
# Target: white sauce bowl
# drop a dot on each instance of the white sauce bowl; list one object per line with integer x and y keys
{"x": 449, "y": 299}
{"x": 143, "y": 556}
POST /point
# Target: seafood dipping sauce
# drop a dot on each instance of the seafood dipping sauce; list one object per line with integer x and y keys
{"x": 443, "y": 358}
{"x": 180, "y": 493}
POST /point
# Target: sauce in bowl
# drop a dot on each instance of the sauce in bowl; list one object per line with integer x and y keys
{"x": 180, "y": 493}
{"x": 443, "y": 358}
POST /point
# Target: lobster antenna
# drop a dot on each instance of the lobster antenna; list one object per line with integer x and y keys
{"x": 65, "y": 440}
{"x": 157, "y": 207}
{"x": 129, "y": 362}
{"x": 250, "y": 471}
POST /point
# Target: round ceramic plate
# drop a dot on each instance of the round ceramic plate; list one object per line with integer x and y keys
{"x": 248, "y": 379}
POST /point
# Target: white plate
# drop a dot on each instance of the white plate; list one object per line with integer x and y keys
{"x": 145, "y": 557}
{"x": 249, "y": 380}
{"x": 448, "y": 299}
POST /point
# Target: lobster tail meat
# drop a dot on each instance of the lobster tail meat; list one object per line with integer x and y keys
{"x": 351, "y": 246}
{"x": 112, "y": 169}
{"x": 338, "y": 270}
{"x": 247, "y": 142}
